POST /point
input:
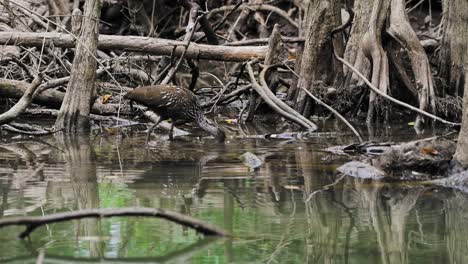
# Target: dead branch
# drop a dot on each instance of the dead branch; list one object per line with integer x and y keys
{"x": 257, "y": 7}
{"x": 276, "y": 104}
{"x": 274, "y": 55}
{"x": 163, "y": 124}
{"x": 205, "y": 25}
{"x": 224, "y": 98}
{"x": 190, "y": 29}
{"x": 51, "y": 98}
{"x": 262, "y": 41}
{"x": 23, "y": 103}
{"x": 33, "y": 222}
{"x": 155, "y": 46}
{"x": 26, "y": 129}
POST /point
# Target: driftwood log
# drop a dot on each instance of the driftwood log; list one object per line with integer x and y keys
{"x": 147, "y": 45}
{"x": 33, "y": 222}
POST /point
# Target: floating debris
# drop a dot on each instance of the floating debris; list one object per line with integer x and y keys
{"x": 361, "y": 170}
{"x": 251, "y": 160}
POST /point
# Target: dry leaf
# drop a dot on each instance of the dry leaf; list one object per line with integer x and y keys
{"x": 105, "y": 98}
{"x": 231, "y": 121}
{"x": 429, "y": 150}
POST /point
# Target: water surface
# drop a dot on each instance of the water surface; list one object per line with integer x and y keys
{"x": 280, "y": 213}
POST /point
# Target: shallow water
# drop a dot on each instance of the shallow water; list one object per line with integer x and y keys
{"x": 280, "y": 213}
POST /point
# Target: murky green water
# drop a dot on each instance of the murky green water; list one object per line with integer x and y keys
{"x": 270, "y": 212}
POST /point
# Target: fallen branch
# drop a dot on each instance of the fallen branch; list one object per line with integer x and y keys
{"x": 27, "y": 129}
{"x": 280, "y": 103}
{"x": 33, "y": 222}
{"x": 23, "y": 103}
{"x": 276, "y": 104}
{"x": 274, "y": 55}
{"x": 263, "y": 41}
{"x": 155, "y": 46}
{"x": 163, "y": 124}
{"x": 50, "y": 98}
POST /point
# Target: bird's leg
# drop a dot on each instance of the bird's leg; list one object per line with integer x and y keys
{"x": 152, "y": 129}
{"x": 171, "y": 131}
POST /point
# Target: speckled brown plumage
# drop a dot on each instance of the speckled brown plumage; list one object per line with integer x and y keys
{"x": 177, "y": 103}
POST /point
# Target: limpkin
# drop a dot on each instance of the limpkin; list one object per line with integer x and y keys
{"x": 176, "y": 103}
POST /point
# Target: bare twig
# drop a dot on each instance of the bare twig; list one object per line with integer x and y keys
{"x": 261, "y": 7}
{"x": 226, "y": 97}
{"x": 192, "y": 24}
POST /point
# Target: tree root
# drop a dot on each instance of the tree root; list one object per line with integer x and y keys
{"x": 374, "y": 52}
{"x": 376, "y": 90}
{"x": 401, "y": 30}
{"x": 336, "y": 113}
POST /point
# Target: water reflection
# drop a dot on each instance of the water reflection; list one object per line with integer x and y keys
{"x": 280, "y": 213}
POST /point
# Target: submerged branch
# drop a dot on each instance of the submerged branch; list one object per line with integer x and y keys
{"x": 32, "y": 222}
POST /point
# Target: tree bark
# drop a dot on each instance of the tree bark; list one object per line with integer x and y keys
{"x": 461, "y": 155}
{"x": 353, "y": 51}
{"x": 454, "y": 46}
{"x": 402, "y": 31}
{"x": 317, "y": 60}
{"x": 454, "y": 64}
{"x": 76, "y": 106}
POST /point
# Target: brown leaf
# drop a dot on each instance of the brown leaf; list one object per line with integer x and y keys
{"x": 105, "y": 98}
{"x": 429, "y": 150}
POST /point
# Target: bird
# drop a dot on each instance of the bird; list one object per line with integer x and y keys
{"x": 176, "y": 103}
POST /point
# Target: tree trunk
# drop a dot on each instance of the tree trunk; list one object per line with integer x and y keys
{"x": 322, "y": 16}
{"x": 401, "y": 30}
{"x": 353, "y": 52}
{"x": 76, "y": 106}
{"x": 365, "y": 52}
{"x": 454, "y": 47}
{"x": 461, "y": 155}
{"x": 453, "y": 52}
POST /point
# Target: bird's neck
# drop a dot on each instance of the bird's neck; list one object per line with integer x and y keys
{"x": 209, "y": 127}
